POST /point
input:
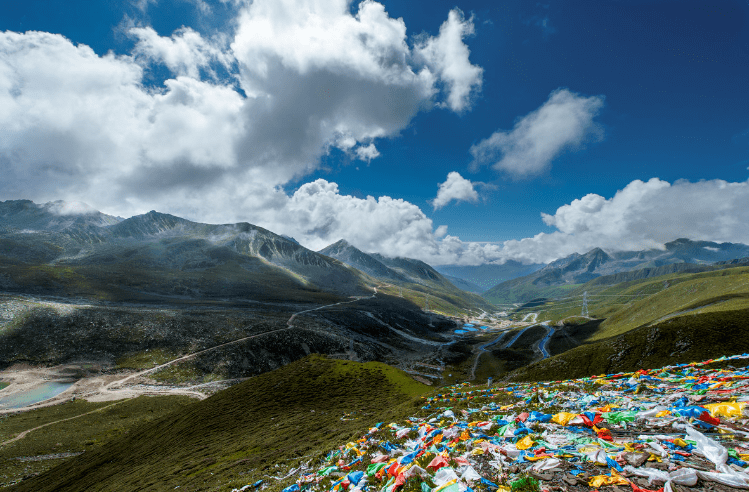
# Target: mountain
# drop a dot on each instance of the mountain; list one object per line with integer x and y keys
{"x": 488, "y": 275}
{"x": 417, "y": 278}
{"x": 90, "y": 253}
{"x": 465, "y": 284}
{"x": 25, "y": 215}
{"x": 559, "y": 276}
{"x": 119, "y": 291}
{"x": 356, "y": 258}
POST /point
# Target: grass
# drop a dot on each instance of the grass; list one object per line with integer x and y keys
{"x": 694, "y": 292}
{"x": 682, "y": 339}
{"x": 185, "y": 372}
{"x": 77, "y": 435}
{"x": 4, "y": 385}
{"x": 297, "y": 412}
{"x": 628, "y": 305}
{"x": 441, "y": 300}
{"x": 146, "y": 359}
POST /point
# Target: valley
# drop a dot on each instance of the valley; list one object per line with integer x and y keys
{"x": 120, "y": 333}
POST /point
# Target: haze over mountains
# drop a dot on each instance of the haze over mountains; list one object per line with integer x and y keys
{"x": 160, "y": 255}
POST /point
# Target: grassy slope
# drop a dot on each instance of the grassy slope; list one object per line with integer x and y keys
{"x": 224, "y": 441}
{"x": 131, "y": 281}
{"x": 628, "y": 305}
{"x": 686, "y": 338}
{"x": 519, "y": 291}
{"x": 77, "y": 435}
{"x": 443, "y": 301}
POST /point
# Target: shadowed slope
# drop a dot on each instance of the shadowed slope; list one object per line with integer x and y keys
{"x": 289, "y": 413}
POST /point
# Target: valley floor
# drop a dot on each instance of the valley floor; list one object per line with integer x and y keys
{"x": 101, "y": 388}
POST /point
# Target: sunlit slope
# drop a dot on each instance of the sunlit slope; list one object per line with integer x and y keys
{"x": 681, "y": 339}
{"x": 627, "y": 305}
{"x": 412, "y": 279}
{"x": 301, "y": 410}
{"x": 681, "y": 255}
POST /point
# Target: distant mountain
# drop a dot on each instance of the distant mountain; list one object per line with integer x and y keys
{"x": 414, "y": 275}
{"x": 488, "y": 275}
{"x": 465, "y": 285}
{"x": 25, "y": 215}
{"x": 348, "y": 254}
{"x": 558, "y": 276}
{"x": 86, "y": 252}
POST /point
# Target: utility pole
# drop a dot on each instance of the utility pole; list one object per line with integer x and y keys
{"x": 585, "y": 305}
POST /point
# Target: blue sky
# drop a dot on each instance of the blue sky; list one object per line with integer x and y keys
{"x": 645, "y": 89}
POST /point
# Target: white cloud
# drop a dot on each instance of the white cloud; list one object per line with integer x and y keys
{"x": 457, "y": 188}
{"x": 564, "y": 121}
{"x": 185, "y": 53}
{"x": 367, "y": 153}
{"x": 448, "y": 55}
{"x": 643, "y": 215}
{"x": 313, "y": 76}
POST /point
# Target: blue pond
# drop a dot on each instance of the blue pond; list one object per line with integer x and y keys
{"x": 40, "y": 393}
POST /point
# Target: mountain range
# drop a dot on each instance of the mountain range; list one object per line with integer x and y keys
{"x": 680, "y": 255}
{"x": 64, "y": 249}
{"x": 414, "y": 275}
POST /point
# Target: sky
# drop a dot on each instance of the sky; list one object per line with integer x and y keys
{"x": 462, "y": 132}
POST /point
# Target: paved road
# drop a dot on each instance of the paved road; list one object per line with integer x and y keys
{"x": 542, "y": 345}
{"x": 509, "y": 344}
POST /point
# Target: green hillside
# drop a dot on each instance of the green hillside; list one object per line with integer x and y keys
{"x": 680, "y": 339}
{"x": 628, "y": 305}
{"x": 295, "y": 413}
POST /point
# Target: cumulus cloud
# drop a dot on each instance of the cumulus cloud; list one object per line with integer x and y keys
{"x": 457, "y": 188}
{"x": 448, "y": 55}
{"x": 643, "y": 215}
{"x": 367, "y": 153}
{"x": 297, "y": 78}
{"x": 186, "y": 52}
{"x": 563, "y": 122}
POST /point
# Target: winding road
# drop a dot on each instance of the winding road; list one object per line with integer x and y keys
{"x": 109, "y": 386}
{"x": 542, "y": 344}
{"x": 26, "y": 432}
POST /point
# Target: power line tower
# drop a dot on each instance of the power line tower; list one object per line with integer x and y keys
{"x": 401, "y": 291}
{"x": 585, "y": 305}
{"x": 426, "y": 303}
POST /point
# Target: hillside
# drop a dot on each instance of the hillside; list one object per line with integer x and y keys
{"x": 558, "y": 277}
{"x": 159, "y": 256}
{"x": 78, "y": 286}
{"x": 699, "y": 336}
{"x": 627, "y": 305}
{"x": 413, "y": 279}
{"x": 297, "y": 412}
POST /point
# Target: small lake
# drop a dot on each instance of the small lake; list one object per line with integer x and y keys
{"x": 40, "y": 393}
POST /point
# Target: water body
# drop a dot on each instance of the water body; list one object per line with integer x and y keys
{"x": 40, "y": 393}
